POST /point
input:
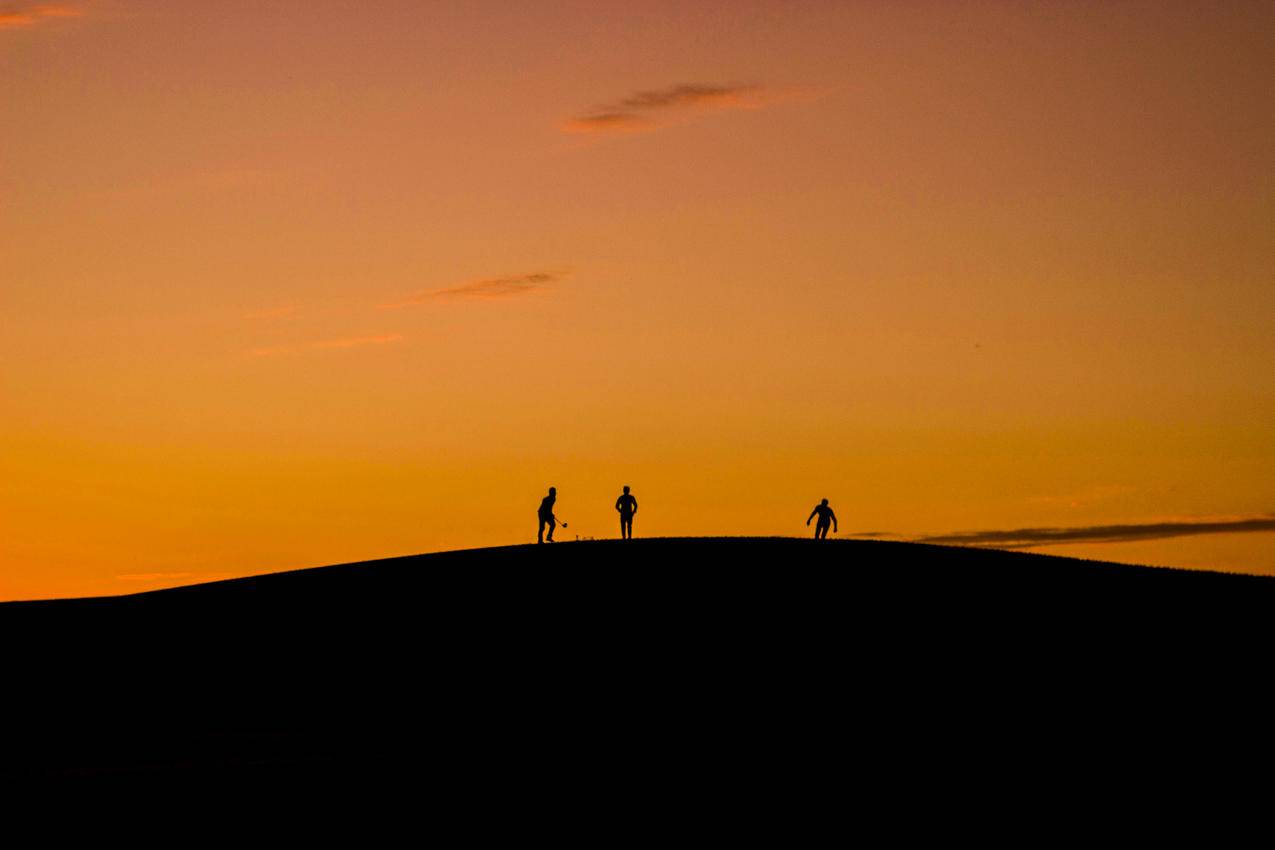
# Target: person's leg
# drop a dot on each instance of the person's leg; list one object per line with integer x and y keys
{"x": 553, "y": 523}
{"x": 821, "y": 531}
{"x": 626, "y": 527}
{"x": 540, "y": 535}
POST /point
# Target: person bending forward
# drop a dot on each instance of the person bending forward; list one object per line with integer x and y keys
{"x": 826, "y": 516}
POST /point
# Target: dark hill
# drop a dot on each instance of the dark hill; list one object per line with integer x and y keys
{"x": 625, "y": 652}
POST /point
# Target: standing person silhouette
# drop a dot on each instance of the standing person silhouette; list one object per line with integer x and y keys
{"x": 627, "y": 506}
{"x": 825, "y": 516}
{"x": 546, "y": 515}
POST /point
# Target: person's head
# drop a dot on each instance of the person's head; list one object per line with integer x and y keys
{"x": 824, "y": 503}
{"x": 553, "y": 491}
{"x": 626, "y": 489}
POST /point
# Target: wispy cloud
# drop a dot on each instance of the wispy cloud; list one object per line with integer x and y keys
{"x": 344, "y": 342}
{"x": 486, "y": 289}
{"x": 1026, "y": 538}
{"x": 649, "y": 110}
{"x": 691, "y": 94}
{"x": 15, "y": 16}
{"x": 607, "y": 122}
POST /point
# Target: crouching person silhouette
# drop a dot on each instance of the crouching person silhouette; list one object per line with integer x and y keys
{"x": 826, "y": 516}
{"x": 546, "y": 516}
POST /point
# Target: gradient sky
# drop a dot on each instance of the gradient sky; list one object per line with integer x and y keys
{"x": 285, "y": 284}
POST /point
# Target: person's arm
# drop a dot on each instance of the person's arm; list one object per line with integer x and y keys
{"x": 812, "y": 516}
{"x": 834, "y": 520}
{"x": 635, "y": 507}
{"x": 617, "y": 503}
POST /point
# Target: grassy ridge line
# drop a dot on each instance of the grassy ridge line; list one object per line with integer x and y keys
{"x": 915, "y": 554}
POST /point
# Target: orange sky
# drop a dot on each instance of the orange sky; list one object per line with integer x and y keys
{"x": 286, "y": 284}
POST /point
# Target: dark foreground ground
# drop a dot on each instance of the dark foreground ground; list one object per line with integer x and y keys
{"x": 708, "y": 663}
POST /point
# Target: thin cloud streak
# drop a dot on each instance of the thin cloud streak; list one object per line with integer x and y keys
{"x": 485, "y": 289}
{"x": 16, "y": 17}
{"x": 689, "y": 94}
{"x": 655, "y": 108}
{"x": 607, "y": 122}
{"x": 1026, "y": 538}
{"x": 327, "y": 344}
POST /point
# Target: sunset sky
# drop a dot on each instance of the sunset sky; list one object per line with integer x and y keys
{"x": 286, "y": 284}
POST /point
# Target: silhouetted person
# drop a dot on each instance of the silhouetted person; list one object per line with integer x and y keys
{"x": 825, "y": 516}
{"x": 627, "y": 506}
{"x": 546, "y": 516}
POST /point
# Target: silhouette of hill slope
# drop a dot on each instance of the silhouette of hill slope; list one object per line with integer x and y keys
{"x": 653, "y": 649}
